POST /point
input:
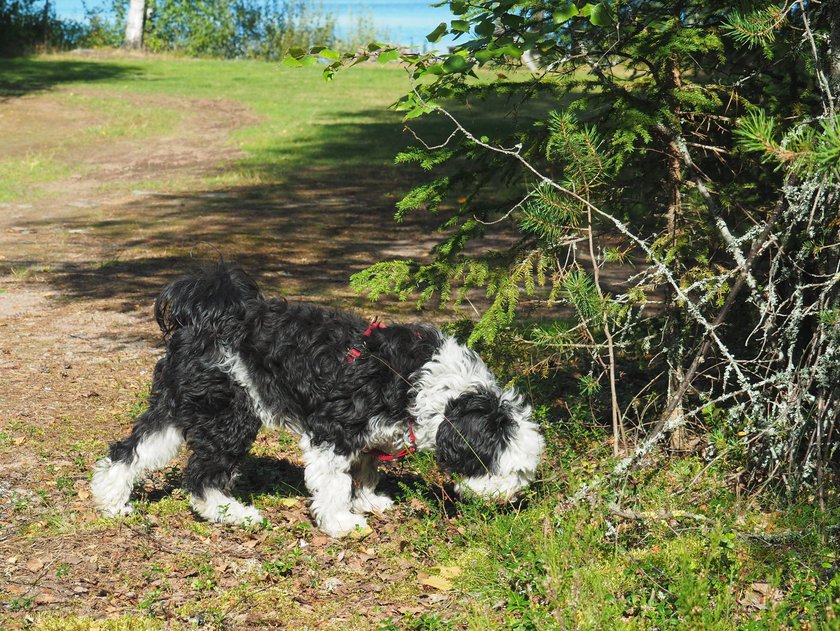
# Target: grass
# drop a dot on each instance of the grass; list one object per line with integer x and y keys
{"x": 553, "y": 565}
{"x": 20, "y": 177}
{"x": 300, "y": 122}
{"x": 296, "y": 119}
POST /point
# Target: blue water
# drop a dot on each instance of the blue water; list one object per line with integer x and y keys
{"x": 405, "y": 22}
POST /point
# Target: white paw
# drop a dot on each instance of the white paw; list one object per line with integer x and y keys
{"x": 249, "y": 515}
{"x": 117, "y": 511}
{"x": 236, "y": 513}
{"x": 221, "y": 508}
{"x": 111, "y": 487}
{"x": 342, "y": 524}
{"x": 372, "y": 503}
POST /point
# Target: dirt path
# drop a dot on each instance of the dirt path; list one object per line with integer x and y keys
{"x": 79, "y": 268}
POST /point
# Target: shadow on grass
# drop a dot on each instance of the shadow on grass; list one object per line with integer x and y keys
{"x": 303, "y": 240}
{"x": 23, "y": 75}
{"x": 322, "y": 209}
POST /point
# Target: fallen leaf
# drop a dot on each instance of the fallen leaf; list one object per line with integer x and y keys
{"x": 34, "y": 565}
{"x": 289, "y": 502}
{"x": 448, "y": 571}
{"x": 45, "y": 598}
{"x": 760, "y": 596}
{"x": 432, "y": 598}
{"x": 361, "y": 533}
{"x": 437, "y": 582}
{"x": 405, "y": 609}
{"x": 418, "y": 505}
{"x": 332, "y": 583}
{"x": 18, "y": 441}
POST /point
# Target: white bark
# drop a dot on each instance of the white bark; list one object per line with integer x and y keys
{"x": 134, "y": 24}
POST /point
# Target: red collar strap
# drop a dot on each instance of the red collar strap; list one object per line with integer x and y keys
{"x": 354, "y": 353}
{"x": 412, "y": 447}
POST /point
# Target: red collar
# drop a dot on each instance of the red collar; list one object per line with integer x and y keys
{"x": 412, "y": 447}
{"x": 354, "y": 353}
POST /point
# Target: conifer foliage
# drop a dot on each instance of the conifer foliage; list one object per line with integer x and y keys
{"x": 695, "y": 145}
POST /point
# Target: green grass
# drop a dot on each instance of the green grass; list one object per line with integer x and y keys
{"x": 298, "y": 120}
{"x": 298, "y": 123}
{"x": 554, "y": 565}
{"x": 21, "y": 177}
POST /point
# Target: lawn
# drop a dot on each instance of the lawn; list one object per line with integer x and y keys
{"x": 116, "y": 175}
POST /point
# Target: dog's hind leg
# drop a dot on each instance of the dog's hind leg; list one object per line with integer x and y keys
{"x": 365, "y": 478}
{"x": 328, "y": 478}
{"x": 210, "y": 471}
{"x": 150, "y": 446}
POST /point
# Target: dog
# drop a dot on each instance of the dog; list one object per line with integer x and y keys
{"x": 355, "y": 392}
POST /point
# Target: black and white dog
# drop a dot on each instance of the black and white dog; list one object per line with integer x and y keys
{"x": 354, "y": 392}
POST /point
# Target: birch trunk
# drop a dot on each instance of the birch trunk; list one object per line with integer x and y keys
{"x": 134, "y": 24}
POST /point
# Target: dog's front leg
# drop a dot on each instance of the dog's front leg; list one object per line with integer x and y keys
{"x": 328, "y": 478}
{"x": 365, "y": 478}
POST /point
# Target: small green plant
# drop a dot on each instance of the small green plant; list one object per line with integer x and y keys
{"x": 20, "y": 603}
{"x": 154, "y": 571}
{"x": 20, "y": 503}
{"x": 64, "y": 484}
{"x": 206, "y": 579}
{"x": 284, "y": 565}
{"x": 150, "y": 600}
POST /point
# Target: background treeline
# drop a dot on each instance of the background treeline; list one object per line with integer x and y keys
{"x": 232, "y": 29}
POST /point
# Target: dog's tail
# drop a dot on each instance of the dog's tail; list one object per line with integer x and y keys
{"x": 208, "y": 298}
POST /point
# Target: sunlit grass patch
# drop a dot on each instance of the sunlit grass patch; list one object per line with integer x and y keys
{"x": 120, "y": 118}
{"x": 125, "y": 622}
{"x": 550, "y": 565}
{"x": 21, "y": 177}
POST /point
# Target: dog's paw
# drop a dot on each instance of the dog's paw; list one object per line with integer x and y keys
{"x": 343, "y": 524}
{"x": 117, "y": 511}
{"x": 247, "y": 516}
{"x": 221, "y": 508}
{"x": 372, "y": 503}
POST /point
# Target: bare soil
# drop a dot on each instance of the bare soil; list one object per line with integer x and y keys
{"x": 79, "y": 270}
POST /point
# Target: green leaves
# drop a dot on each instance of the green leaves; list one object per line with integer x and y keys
{"x": 438, "y": 33}
{"x": 388, "y": 55}
{"x": 756, "y": 28}
{"x": 598, "y": 14}
{"x": 578, "y": 287}
{"x": 456, "y": 63}
{"x": 460, "y": 26}
{"x": 565, "y": 13}
{"x": 326, "y": 53}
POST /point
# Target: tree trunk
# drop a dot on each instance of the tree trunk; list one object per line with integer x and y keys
{"x": 833, "y": 9}
{"x": 134, "y": 24}
{"x": 46, "y": 24}
{"x": 673, "y": 184}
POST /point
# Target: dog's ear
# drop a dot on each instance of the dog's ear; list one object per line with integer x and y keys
{"x": 476, "y": 427}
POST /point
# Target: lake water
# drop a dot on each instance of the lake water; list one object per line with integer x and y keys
{"x": 406, "y": 22}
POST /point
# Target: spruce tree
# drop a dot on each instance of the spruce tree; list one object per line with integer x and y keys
{"x": 698, "y": 140}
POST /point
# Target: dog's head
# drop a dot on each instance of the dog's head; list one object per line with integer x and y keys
{"x": 488, "y": 439}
